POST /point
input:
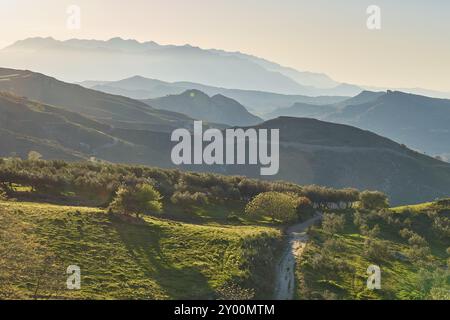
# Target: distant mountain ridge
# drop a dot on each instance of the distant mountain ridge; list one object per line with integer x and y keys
{"x": 215, "y": 109}
{"x": 114, "y": 110}
{"x": 257, "y": 102}
{"x": 420, "y": 122}
{"x": 92, "y": 59}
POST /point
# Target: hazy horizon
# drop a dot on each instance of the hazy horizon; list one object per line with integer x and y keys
{"x": 407, "y": 52}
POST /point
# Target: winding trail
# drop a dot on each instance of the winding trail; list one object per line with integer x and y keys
{"x": 285, "y": 283}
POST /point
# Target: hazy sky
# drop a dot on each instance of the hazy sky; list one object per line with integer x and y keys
{"x": 412, "y": 49}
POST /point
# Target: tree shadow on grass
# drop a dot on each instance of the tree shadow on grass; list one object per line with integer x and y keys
{"x": 143, "y": 244}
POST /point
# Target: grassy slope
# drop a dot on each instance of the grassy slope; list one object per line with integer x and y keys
{"x": 157, "y": 260}
{"x": 400, "y": 279}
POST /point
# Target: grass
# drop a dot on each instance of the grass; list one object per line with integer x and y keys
{"x": 416, "y": 207}
{"x": 231, "y": 213}
{"x": 158, "y": 259}
{"x": 341, "y": 273}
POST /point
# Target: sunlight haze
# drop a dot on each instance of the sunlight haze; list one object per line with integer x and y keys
{"x": 410, "y": 50}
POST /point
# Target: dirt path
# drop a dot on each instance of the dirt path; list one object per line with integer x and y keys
{"x": 285, "y": 283}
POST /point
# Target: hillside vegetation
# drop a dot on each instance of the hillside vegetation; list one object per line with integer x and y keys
{"x": 155, "y": 259}
{"x": 69, "y": 122}
{"x": 409, "y": 244}
{"x": 202, "y": 245}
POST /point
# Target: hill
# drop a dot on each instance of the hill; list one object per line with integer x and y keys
{"x": 311, "y": 151}
{"x": 258, "y": 102}
{"x": 114, "y": 110}
{"x": 215, "y": 109}
{"x": 335, "y": 155}
{"x": 156, "y": 259}
{"x": 422, "y": 123}
{"x": 57, "y": 133}
{"x": 409, "y": 246}
{"x": 417, "y": 121}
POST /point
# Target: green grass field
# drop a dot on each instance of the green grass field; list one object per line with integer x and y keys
{"x": 156, "y": 259}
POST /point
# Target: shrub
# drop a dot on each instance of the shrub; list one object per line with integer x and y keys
{"x": 232, "y": 291}
{"x": 34, "y": 156}
{"x": 3, "y": 195}
{"x": 376, "y": 249}
{"x": 276, "y": 205}
{"x": 333, "y": 223}
{"x": 188, "y": 199}
{"x": 373, "y": 200}
{"x": 304, "y": 207}
{"x": 143, "y": 198}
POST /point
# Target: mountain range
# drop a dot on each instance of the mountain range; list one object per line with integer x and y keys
{"x": 215, "y": 109}
{"x": 66, "y": 121}
{"x": 419, "y": 122}
{"x": 92, "y": 59}
{"x": 257, "y": 102}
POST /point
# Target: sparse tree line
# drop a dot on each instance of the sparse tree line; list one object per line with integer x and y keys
{"x": 139, "y": 189}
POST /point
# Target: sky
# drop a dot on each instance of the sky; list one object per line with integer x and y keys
{"x": 412, "y": 48}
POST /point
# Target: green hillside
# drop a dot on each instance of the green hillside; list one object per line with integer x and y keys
{"x": 156, "y": 259}
{"x": 409, "y": 244}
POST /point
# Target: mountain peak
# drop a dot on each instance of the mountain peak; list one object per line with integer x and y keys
{"x": 194, "y": 93}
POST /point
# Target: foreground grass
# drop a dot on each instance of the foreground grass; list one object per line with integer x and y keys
{"x": 158, "y": 259}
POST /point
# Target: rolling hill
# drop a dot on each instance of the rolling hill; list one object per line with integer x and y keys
{"x": 156, "y": 259}
{"x": 335, "y": 155}
{"x": 114, "y": 110}
{"x": 422, "y": 123}
{"x": 215, "y": 109}
{"x": 258, "y": 102}
{"x": 311, "y": 151}
{"x": 408, "y": 244}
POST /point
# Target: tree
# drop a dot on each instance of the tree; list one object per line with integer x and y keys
{"x": 188, "y": 200}
{"x": 304, "y": 207}
{"x": 373, "y": 200}
{"x": 3, "y": 195}
{"x": 277, "y": 205}
{"x": 139, "y": 199}
{"x": 333, "y": 223}
{"x": 34, "y": 155}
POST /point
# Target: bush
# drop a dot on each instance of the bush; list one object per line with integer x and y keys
{"x": 305, "y": 207}
{"x": 188, "y": 200}
{"x": 276, "y": 205}
{"x": 376, "y": 249}
{"x": 232, "y": 291}
{"x": 333, "y": 223}
{"x": 373, "y": 200}
{"x": 3, "y": 195}
{"x": 143, "y": 198}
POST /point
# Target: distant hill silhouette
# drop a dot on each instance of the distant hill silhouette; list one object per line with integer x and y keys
{"x": 216, "y": 109}
{"x": 112, "y": 109}
{"x": 93, "y": 59}
{"x": 258, "y": 102}
{"x": 420, "y": 122}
